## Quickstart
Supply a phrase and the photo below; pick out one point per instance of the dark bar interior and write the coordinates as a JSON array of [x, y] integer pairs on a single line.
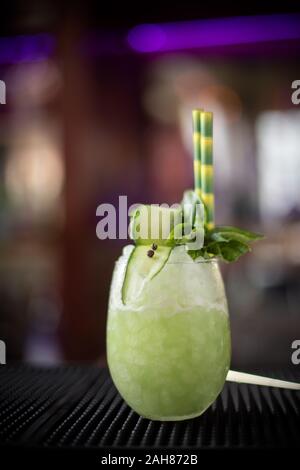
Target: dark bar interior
[[96, 105]]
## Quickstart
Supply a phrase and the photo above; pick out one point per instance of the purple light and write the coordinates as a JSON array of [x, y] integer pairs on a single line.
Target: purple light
[[26, 48], [147, 38], [214, 32]]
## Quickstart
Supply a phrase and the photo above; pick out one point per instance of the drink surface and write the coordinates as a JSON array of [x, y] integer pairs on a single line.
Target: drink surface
[[168, 346]]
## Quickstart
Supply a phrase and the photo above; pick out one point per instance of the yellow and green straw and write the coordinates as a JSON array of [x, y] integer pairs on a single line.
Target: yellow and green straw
[[197, 150], [203, 161]]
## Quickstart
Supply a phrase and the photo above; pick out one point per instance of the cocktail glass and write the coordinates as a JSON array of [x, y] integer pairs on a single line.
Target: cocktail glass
[[168, 344]]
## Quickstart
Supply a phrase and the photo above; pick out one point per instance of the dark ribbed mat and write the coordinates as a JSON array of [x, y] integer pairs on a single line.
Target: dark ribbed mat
[[78, 406]]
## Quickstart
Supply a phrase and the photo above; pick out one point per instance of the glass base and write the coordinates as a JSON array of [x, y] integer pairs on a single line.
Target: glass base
[[175, 418]]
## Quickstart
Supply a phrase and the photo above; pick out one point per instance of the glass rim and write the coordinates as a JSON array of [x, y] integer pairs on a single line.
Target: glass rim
[[190, 263]]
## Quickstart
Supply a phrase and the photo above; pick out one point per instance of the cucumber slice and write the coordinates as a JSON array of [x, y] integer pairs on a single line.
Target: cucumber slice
[[141, 269], [153, 224]]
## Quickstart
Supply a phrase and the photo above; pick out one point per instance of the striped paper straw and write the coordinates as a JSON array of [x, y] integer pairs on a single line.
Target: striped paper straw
[[207, 171], [197, 150]]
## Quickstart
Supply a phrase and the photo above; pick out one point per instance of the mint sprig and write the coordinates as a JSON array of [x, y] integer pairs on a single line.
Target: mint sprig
[[229, 251], [224, 242]]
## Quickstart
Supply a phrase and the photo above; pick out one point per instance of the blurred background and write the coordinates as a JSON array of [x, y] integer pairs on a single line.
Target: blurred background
[[98, 104]]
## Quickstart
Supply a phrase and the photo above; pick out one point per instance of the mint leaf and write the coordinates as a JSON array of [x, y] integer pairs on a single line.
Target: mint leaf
[[226, 243], [227, 251], [232, 250], [203, 253], [226, 233], [194, 254], [213, 249]]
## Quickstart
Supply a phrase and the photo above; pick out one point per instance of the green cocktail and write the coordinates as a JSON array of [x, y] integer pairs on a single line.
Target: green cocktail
[[168, 337], [169, 343]]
